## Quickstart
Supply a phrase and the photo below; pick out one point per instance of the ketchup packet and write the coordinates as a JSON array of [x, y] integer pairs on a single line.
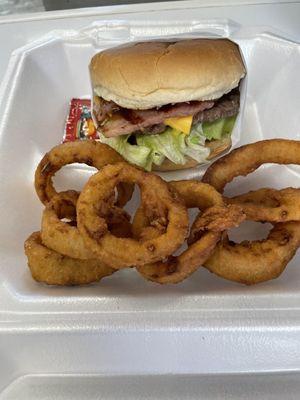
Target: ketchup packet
[[79, 123]]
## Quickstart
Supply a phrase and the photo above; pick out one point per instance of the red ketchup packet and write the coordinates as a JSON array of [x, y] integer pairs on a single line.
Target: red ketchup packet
[[79, 123]]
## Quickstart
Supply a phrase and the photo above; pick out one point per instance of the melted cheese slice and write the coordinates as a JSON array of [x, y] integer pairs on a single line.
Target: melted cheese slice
[[182, 124]]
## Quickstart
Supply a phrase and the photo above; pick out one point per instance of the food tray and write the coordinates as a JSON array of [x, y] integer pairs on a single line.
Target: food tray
[[203, 325]]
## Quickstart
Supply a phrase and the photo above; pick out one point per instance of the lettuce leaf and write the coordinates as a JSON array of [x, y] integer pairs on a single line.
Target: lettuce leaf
[[229, 125], [167, 144], [139, 155], [195, 145], [171, 144], [218, 128]]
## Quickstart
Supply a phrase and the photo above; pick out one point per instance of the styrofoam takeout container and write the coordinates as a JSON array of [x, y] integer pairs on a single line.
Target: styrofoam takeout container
[[125, 325]]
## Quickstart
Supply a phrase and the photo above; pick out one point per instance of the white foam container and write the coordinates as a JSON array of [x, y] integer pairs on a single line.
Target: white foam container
[[54, 337]]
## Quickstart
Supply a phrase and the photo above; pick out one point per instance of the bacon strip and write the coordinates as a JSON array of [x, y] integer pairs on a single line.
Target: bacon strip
[[125, 121], [115, 120]]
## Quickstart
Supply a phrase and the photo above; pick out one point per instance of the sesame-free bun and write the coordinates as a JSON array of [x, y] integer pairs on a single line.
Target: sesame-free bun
[[151, 74], [217, 147]]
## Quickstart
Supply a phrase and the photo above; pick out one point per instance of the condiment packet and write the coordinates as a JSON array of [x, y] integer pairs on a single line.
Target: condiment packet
[[79, 124]]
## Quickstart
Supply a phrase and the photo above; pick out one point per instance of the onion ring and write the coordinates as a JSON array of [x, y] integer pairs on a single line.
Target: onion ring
[[50, 267], [163, 208], [257, 261], [216, 219], [270, 205], [66, 239], [88, 152], [176, 269], [246, 159]]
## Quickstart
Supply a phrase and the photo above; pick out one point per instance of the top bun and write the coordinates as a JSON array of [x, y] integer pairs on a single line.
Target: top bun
[[151, 74]]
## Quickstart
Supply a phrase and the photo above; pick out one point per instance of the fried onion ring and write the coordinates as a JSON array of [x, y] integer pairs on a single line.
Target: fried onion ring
[[216, 219], [65, 238], [270, 205], [50, 267], [88, 152], [162, 209], [246, 159], [257, 261], [195, 195]]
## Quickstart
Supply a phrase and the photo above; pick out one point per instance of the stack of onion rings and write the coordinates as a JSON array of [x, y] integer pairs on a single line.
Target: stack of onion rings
[[86, 236]]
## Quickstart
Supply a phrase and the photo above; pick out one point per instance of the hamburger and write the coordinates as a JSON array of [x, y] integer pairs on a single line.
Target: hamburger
[[167, 105]]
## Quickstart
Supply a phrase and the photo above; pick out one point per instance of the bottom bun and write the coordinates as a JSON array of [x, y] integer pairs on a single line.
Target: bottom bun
[[216, 147]]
